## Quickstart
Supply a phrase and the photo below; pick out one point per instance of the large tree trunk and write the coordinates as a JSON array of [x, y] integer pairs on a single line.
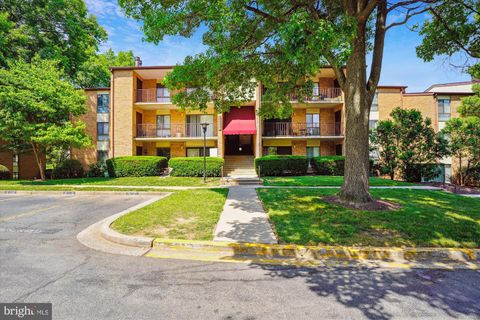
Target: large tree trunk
[[356, 185], [39, 161]]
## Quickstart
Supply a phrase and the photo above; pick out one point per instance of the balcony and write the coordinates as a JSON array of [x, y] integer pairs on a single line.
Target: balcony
[[296, 129], [321, 95], [174, 131], [152, 96]]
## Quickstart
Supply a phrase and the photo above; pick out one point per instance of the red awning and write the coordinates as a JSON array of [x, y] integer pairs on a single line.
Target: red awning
[[239, 121]]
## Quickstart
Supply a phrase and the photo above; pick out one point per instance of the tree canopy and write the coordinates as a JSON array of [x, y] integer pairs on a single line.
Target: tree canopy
[[37, 106], [95, 72], [454, 28], [59, 30]]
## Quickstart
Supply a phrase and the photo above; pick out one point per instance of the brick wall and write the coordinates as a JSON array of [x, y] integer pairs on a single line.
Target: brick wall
[[327, 148], [123, 116], [177, 149], [299, 147]]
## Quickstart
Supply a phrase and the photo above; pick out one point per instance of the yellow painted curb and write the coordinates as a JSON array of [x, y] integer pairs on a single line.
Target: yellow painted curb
[[311, 255]]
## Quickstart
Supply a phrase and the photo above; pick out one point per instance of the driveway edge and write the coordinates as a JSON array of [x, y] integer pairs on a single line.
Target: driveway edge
[[134, 241]]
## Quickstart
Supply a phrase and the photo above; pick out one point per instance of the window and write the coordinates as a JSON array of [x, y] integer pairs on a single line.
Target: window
[[197, 152], [163, 94], [102, 131], [316, 91], [277, 150], [194, 129], [313, 124], [443, 108], [163, 126], [15, 166], [311, 153], [102, 103], [372, 124], [102, 155], [163, 152], [374, 106], [338, 149]]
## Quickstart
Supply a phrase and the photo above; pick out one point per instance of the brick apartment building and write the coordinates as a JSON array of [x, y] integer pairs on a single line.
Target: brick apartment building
[[136, 116]]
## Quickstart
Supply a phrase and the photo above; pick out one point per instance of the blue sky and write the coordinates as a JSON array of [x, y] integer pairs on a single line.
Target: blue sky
[[400, 64]]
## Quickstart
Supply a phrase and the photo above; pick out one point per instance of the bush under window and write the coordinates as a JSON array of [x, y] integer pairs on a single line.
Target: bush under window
[[136, 166], [281, 165], [67, 169], [193, 166], [4, 173]]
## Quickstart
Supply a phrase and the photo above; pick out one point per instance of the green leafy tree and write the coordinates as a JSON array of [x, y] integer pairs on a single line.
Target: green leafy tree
[[471, 104], [53, 29], [282, 44], [408, 145], [95, 72], [381, 139], [464, 144], [452, 28], [37, 105]]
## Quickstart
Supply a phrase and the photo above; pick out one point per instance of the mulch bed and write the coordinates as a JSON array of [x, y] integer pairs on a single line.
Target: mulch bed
[[455, 189], [375, 205]]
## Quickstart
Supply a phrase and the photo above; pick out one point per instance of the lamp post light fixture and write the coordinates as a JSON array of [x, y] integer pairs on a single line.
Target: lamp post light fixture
[[204, 130]]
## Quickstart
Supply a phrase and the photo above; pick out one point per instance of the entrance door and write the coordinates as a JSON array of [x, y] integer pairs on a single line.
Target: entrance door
[[239, 144], [139, 121], [338, 123]]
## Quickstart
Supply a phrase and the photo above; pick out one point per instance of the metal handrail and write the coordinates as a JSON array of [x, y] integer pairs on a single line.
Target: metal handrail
[[178, 130], [285, 129], [321, 94], [150, 95]]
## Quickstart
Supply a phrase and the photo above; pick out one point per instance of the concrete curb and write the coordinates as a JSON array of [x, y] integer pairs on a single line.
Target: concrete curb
[[134, 241], [295, 254]]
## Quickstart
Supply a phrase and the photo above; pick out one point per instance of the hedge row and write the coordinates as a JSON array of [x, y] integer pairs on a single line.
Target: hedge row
[[136, 166], [279, 165], [193, 166], [329, 165]]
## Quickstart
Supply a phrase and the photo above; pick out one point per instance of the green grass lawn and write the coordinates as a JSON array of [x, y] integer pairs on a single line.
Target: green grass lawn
[[189, 214], [329, 181], [427, 218], [123, 181]]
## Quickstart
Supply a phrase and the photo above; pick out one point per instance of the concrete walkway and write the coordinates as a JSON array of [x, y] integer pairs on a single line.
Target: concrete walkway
[[243, 218]]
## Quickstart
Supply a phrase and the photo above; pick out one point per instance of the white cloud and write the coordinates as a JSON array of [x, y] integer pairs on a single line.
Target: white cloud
[[104, 8]]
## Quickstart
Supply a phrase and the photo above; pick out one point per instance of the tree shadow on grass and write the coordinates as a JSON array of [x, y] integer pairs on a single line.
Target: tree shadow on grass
[[378, 292]]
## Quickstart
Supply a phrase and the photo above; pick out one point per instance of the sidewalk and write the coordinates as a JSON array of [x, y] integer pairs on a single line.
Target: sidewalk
[[243, 218]]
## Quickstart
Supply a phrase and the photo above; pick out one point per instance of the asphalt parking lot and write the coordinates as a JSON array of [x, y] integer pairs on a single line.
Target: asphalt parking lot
[[42, 261]]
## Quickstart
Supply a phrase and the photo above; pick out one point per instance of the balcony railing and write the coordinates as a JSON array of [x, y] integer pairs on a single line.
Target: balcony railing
[[189, 130], [321, 95], [151, 95], [287, 129]]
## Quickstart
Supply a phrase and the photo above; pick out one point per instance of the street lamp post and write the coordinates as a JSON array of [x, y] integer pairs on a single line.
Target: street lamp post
[[204, 129]]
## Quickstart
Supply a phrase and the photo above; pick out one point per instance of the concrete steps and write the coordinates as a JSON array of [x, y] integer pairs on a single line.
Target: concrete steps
[[239, 170], [239, 166]]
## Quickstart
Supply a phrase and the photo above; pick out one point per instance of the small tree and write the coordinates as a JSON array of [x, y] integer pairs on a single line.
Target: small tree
[[381, 139], [408, 144], [37, 104], [464, 144]]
